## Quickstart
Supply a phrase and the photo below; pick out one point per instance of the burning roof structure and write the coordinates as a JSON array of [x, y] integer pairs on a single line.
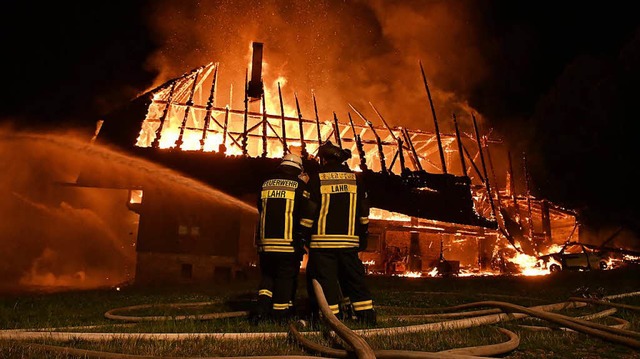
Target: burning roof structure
[[418, 180], [181, 118]]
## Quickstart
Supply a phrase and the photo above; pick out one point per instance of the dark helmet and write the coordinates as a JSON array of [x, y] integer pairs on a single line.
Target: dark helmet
[[329, 151]]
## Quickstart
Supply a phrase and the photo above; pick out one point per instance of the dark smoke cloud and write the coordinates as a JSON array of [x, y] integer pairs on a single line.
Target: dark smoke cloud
[[54, 235]]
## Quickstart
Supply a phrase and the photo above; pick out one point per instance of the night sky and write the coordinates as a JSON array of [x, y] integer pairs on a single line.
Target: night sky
[[559, 78]]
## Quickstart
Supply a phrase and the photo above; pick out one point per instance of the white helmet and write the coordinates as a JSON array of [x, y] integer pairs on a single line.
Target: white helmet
[[292, 160]]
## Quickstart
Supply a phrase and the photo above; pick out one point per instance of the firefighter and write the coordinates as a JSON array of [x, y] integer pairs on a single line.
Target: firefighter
[[278, 240], [338, 231]]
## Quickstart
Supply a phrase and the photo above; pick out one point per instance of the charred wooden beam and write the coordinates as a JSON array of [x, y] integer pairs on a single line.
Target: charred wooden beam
[[473, 164], [223, 145], [304, 152], [187, 109], [484, 166], [435, 120], [208, 114], [463, 164], [528, 191], [285, 148], [359, 146], [383, 165], [336, 130], [315, 108], [165, 112], [246, 113], [414, 155], [393, 135], [512, 185], [264, 126]]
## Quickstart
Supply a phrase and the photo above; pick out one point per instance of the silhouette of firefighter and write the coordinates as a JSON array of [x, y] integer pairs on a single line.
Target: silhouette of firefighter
[[339, 230], [279, 241]]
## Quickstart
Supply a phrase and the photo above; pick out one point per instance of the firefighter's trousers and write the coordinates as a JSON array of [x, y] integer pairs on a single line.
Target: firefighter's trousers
[[340, 273], [279, 275]]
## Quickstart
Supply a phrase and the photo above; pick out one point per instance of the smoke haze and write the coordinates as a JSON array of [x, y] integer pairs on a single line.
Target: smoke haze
[[56, 235], [346, 52]]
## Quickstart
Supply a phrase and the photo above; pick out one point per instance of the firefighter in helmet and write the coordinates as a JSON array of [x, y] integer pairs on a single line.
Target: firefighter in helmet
[[338, 231], [278, 240]]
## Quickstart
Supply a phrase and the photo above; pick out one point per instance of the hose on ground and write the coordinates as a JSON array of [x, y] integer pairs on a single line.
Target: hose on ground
[[458, 353], [51, 334], [111, 313], [359, 345], [602, 302], [109, 355], [602, 331]]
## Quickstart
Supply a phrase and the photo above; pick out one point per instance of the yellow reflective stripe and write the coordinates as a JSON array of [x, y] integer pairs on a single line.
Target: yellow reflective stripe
[[288, 220], [306, 194], [263, 217], [338, 188], [363, 305], [278, 241], [334, 237], [306, 222], [364, 220], [329, 241], [277, 306], [324, 208], [335, 309], [282, 249], [352, 214], [266, 292], [332, 245], [324, 176], [278, 193]]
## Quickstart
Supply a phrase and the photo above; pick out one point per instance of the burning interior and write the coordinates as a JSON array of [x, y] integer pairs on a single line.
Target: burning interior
[[438, 206]]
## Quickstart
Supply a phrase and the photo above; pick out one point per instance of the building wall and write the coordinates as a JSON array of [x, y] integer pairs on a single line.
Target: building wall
[[164, 268], [187, 240]]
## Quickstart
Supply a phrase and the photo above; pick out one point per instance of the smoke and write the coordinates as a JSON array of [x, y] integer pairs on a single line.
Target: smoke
[[54, 234], [346, 52]]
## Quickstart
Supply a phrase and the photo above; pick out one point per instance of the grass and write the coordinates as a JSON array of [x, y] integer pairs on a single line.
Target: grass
[[394, 296]]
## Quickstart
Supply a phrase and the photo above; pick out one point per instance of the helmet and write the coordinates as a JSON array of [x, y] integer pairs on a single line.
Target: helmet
[[292, 160], [330, 151]]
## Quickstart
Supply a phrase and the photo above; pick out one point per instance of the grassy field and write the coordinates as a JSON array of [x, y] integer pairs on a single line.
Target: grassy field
[[394, 297]]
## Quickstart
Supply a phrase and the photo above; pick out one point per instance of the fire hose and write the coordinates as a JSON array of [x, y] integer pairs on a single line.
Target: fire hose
[[355, 338], [360, 346]]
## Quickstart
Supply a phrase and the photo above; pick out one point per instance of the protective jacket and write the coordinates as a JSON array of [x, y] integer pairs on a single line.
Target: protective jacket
[[339, 229], [279, 203], [342, 216]]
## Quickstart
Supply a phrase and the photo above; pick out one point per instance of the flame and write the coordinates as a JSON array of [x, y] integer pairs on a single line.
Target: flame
[[135, 196], [377, 213], [529, 265], [410, 274]]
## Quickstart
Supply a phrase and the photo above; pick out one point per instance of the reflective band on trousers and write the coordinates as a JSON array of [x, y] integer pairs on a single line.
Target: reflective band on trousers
[[363, 305]]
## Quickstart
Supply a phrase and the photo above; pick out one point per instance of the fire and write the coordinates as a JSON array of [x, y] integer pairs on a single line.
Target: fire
[[181, 117], [528, 265], [410, 274], [377, 213]]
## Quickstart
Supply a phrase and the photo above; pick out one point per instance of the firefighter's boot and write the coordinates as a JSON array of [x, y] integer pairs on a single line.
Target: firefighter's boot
[[261, 311]]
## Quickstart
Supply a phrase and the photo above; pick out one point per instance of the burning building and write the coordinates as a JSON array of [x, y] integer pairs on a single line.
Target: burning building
[[437, 206]]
